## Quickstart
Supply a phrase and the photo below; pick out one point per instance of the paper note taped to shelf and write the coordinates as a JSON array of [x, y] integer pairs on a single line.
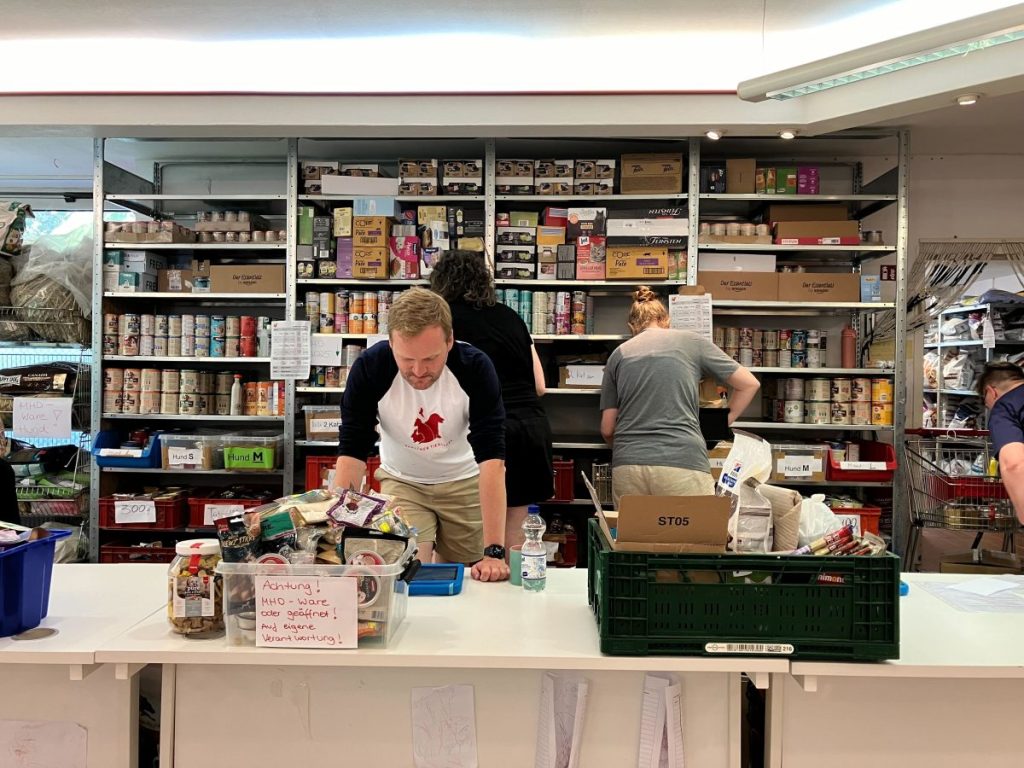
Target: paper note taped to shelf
[[584, 375], [863, 465], [42, 417], [184, 457], [214, 512], [327, 349], [135, 511], [324, 425], [306, 611], [289, 349], [798, 466], [691, 313]]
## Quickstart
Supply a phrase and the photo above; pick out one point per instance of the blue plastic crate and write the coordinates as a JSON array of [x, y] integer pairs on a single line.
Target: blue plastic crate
[[25, 573], [111, 438]]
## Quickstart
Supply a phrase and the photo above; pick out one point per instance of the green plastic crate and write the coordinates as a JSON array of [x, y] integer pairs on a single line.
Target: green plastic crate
[[802, 607]]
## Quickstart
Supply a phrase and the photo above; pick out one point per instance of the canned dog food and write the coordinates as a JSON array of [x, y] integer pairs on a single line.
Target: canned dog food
[[173, 325], [188, 404], [813, 356], [128, 346], [170, 380], [732, 337], [222, 404], [794, 389], [841, 413], [202, 325], [758, 357], [758, 338], [793, 412], [355, 322], [860, 390], [160, 346], [132, 381], [169, 403], [111, 324], [842, 391], [203, 346], [218, 347], [785, 358], [113, 379], [130, 402], [247, 325], [717, 334], [222, 383], [733, 352], [232, 348], [188, 325], [771, 339], [146, 346], [771, 358], [819, 390], [189, 380], [188, 346], [817, 413], [109, 344], [326, 322], [112, 401], [247, 346], [798, 358], [746, 338], [129, 325], [147, 325], [151, 380], [233, 325], [204, 402], [173, 346], [881, 391], [218, 326], [206, 382], [882, 414], [798, 341], [746, 356], [149, 402], [861, 414], [160, 325], [785, 340]]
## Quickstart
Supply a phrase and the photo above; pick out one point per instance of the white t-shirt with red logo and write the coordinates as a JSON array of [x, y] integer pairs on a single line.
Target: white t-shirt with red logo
[[434, 435]]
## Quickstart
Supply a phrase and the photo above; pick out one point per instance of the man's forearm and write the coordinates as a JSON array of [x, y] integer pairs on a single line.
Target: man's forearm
[[493, 505], [1013, 480], [348, 473]]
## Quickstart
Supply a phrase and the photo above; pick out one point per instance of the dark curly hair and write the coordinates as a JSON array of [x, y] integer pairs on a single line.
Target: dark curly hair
[[463, 276]]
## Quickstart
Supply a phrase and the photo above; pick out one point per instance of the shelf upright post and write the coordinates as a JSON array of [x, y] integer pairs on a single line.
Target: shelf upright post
[[900, 510], [292, 208], [96, 370], [693, 206], [490, 207]]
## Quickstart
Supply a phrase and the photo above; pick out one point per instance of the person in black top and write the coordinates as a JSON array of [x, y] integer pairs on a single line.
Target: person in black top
[[1000, 386], [463, 279]]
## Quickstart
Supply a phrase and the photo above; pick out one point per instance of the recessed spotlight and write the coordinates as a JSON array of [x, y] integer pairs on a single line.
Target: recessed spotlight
[[967, 99], [787, 134], [714, 135]]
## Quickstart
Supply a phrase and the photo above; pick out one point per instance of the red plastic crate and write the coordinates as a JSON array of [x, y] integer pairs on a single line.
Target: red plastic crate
[[169, 514], [116, 553], [197, 509], [869, 517], [564, 485], [870, 451], [316, 464]]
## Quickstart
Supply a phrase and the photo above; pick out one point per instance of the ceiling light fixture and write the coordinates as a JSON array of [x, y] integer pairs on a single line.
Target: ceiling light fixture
[[714, 135], [959, 38], [787, 134], [967, 99]]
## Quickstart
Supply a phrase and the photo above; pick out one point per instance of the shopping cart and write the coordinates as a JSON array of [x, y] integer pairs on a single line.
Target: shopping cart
[[954, 485]]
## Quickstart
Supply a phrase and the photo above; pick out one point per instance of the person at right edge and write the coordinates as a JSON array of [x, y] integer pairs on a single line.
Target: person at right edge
[[1000, 386], [650, 401], [463, 279]]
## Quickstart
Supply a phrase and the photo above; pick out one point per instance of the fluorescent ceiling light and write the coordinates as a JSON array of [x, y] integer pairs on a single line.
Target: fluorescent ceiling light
[[949, 40]]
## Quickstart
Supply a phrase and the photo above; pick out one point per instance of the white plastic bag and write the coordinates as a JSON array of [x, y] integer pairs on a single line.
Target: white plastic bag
[[750, 525], [816, 520], [749, 459], [65, 260]]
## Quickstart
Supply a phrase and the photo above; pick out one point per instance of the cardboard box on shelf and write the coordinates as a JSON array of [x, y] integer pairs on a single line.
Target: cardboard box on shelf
[[799, 461], [312, 170], [342, 222], [515, 169], [604, 187], [666, 226], [584, 170], [551, 236], [585, 221], [418, 169], [359, 185], [817, 233], [515, 254], [553, 187], [344, 257], [590, 258], [135, 282], [636, 263], [201, 268], [554, 169], [806, 212], [566, 254], [417, 188], [712, 179], [651, 174], [516, 236], [785, 180], [247, 278], [759, 180], [174, 280], [364, 170], [547, 254], [604, 170], [142, 262], [404, 253], [740, 286], [565, 270], [770, 177], [736, 239], [523, 219], [369, 263], [807, 180], [815, 286], [580, 376], [371, 231], [739, 176], [509, 185], [870, 288], [375, 206], [425, 214], [547, 271], [556, 217], [737, 262], [515, 271]]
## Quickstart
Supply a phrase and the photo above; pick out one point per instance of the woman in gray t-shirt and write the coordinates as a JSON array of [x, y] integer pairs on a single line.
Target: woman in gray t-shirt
[[650, 404]]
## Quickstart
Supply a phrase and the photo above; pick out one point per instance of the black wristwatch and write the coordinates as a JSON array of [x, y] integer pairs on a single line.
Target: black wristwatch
[[495, 551]]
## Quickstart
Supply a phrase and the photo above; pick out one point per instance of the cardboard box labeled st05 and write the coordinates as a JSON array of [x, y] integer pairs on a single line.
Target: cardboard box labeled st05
[[247, 278], [815, 286], [740, 286], [651, 173], [636, 263]]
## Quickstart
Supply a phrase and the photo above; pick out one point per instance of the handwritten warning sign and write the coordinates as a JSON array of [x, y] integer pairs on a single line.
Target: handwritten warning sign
[[306, 612], [42, 417]]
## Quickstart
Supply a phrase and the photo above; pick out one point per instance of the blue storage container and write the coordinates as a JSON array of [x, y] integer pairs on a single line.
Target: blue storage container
[[25, 572], [112, 438]]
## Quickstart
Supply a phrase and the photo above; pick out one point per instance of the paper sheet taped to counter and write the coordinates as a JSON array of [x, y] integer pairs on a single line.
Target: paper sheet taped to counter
[[661, 729], [42, 744], [563, 703], [444, 727]]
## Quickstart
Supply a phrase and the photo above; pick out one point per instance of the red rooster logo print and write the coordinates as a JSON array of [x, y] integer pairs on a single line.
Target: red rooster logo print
[[427, 431]]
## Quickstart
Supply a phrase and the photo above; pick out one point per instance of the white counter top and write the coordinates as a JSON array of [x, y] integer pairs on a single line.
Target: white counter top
[[89, 606], [937, 640], [494, 626]]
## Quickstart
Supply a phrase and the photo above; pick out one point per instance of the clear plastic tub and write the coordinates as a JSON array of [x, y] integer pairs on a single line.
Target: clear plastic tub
[[322, 421], [379, 617], [192, 452], [253, 453]]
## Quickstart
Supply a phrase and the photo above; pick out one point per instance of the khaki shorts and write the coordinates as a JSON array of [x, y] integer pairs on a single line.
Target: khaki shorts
[[642, 480], [446, 514]]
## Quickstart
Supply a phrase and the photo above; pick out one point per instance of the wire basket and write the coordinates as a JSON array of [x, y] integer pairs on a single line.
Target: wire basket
[[602, 474], [46, 323]]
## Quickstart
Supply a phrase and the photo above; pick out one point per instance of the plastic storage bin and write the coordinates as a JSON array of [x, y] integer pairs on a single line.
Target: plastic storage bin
[[563, 480], [387, 610], [191, 452], [253, 453], [148, 458], [800, 607], [170, 513], [202, 511], [869, 517], [25, 572], [317, 468], [135, 553], [875, 452], [322, 422]]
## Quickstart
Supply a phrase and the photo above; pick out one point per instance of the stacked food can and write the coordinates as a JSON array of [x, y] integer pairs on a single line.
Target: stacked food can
[[185, 392], [551, 312], [773, 348], [186, 335], [345, 311], [836, 401]]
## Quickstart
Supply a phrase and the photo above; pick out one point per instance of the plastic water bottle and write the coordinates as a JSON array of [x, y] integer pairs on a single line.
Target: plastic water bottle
[[535, 555]]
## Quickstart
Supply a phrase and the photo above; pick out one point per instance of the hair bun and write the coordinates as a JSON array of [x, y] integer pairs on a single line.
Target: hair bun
[[644, 293]]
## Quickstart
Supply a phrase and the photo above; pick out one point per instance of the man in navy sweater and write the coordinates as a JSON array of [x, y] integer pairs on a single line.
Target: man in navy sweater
[[442, 440], [1002, 387]]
